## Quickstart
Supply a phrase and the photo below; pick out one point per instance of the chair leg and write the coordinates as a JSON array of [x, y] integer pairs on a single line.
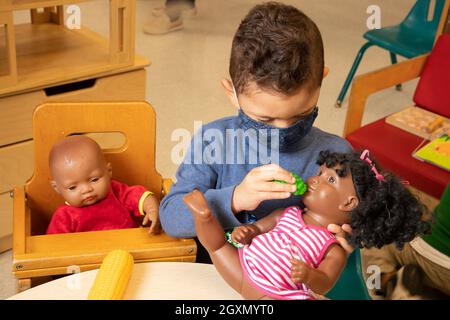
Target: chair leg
[[23, 284], [351, 74], [398, 87]]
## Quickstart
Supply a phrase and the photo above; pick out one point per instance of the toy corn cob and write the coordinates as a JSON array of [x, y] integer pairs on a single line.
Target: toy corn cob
[[112, 278], [301, 186]]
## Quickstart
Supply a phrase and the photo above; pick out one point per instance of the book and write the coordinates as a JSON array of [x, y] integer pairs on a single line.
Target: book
[[436, 152]]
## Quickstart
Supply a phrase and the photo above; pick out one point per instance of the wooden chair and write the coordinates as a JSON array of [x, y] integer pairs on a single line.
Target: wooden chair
[[351, 284], [38, 255], [413, 37], [391, 146]]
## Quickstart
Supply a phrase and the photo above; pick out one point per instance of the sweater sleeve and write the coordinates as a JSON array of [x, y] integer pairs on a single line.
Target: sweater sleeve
[[176, 219], [61, 222], [130, 196]]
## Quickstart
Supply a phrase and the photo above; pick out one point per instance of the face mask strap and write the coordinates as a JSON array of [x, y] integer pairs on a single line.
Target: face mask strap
[[235, 96]]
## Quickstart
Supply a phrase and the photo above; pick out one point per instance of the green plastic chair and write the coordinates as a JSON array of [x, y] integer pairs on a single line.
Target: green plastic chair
[[413, 37], [351, 284]]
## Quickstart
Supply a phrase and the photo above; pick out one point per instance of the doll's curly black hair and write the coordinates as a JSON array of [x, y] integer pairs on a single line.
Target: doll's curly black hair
[[387, 211]]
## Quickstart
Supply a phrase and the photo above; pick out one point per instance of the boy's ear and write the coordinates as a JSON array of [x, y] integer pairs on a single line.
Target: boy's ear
[[326, 71], [228, 86], [54, 186], [109, 169], [350, 203]]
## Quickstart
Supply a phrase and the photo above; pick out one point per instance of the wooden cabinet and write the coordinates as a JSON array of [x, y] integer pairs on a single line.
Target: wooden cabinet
[[44, 61], [45, 52], [6, 222], [16, 111]]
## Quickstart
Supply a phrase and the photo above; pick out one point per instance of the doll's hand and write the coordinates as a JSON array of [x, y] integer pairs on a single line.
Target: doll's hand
[[244, 234], [258, 186], [340, 233], [300, 271], [151, 209]]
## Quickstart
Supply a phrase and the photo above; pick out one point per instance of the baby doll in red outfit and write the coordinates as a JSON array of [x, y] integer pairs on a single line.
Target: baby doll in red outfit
[[94, 201]]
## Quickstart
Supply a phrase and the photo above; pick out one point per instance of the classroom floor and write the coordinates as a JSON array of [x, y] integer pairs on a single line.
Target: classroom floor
[[183, 80]]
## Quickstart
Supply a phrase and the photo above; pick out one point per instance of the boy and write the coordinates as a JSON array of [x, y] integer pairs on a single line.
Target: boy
[[276, 68]]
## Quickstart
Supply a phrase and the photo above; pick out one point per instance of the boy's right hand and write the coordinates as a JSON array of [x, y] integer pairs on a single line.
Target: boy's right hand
[[258, 186]]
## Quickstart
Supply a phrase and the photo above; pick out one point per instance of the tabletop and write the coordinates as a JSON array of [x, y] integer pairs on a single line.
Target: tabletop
[[149, 281]]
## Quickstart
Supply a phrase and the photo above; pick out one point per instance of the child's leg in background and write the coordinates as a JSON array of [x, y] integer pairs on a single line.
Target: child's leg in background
[[389, 259], [170, 17], [174, 8]]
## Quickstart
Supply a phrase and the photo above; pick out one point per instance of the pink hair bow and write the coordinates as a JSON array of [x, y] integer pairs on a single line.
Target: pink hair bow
[[365, 157]]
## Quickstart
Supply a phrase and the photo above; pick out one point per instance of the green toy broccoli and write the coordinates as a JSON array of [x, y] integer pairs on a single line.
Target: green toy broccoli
[[301, 189], [301, 186]]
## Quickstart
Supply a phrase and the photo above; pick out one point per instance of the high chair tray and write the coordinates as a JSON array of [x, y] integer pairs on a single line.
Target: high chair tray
[[86, 250]]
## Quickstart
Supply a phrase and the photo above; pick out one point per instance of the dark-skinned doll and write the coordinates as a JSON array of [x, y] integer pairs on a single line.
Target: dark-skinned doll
[[290, 254]]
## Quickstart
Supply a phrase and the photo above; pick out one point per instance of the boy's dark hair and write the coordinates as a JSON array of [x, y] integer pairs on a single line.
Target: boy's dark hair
[[387, 212], [279, 48]]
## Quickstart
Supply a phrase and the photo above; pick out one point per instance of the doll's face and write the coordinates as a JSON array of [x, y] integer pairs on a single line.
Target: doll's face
[[82, 177], [331, 196]]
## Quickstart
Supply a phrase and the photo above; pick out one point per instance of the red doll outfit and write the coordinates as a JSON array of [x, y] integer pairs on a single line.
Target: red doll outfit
[[117, 211], [266, 261]]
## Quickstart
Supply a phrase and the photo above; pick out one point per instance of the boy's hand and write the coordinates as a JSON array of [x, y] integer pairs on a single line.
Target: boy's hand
[[340, 233], [300, 271], [258, 185], [151, 209], [244, 234]]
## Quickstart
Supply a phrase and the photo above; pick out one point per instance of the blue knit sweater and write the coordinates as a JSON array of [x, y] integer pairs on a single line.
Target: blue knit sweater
[[216, 176]]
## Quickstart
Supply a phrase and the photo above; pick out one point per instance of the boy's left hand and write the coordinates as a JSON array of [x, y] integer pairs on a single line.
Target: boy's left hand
[[151, 209], [340, 233]]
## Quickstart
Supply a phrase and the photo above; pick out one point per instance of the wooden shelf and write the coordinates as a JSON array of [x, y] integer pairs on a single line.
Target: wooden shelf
[[6, 5], [48, 54]]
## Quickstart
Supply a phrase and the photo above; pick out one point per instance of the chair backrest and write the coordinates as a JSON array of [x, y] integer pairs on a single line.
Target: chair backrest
[[132, 163], [351, 284], [432, 92], [444, 24], [418, 20]]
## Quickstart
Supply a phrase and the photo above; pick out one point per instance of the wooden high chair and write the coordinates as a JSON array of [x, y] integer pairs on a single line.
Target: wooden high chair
[[38, 255]]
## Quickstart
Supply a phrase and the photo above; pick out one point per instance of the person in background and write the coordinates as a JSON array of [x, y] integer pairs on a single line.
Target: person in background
[[422, 268], [170, 17]]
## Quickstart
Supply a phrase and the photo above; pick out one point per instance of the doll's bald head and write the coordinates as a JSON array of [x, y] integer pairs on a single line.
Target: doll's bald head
[[79, 170], [67, 151]]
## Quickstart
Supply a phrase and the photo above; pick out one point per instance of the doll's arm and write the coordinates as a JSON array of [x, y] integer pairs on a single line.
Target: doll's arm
[[245, 233], [151, 210], [268, 222], [322, 279], [131, 197]]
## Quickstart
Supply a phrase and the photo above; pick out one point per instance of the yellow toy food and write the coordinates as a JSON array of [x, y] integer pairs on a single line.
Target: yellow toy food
[[113, 276]]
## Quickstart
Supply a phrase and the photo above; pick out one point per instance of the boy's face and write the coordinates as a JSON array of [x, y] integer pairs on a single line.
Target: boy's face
[[276, 109], [82, 179], [331, 196]]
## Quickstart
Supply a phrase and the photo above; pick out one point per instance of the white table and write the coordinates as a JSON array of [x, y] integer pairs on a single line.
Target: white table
[[152, 281]]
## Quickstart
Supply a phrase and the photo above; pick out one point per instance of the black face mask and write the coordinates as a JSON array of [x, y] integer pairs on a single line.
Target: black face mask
[[289, 136]]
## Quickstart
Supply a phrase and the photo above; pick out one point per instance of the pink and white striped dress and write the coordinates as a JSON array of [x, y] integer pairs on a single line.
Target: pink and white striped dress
[[266, 261]]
